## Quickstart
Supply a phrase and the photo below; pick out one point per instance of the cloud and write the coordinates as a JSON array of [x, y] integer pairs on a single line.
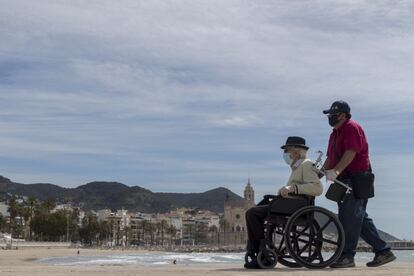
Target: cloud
[[168, 94]]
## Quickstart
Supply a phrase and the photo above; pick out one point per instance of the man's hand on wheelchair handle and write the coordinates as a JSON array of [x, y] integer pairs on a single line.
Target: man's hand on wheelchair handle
[[331, 174]]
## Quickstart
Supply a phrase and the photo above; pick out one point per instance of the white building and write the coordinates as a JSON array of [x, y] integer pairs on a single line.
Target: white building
[[3, 209], [103, 214]]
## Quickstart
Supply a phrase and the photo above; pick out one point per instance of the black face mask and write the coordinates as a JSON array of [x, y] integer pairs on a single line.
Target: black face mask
[[333, 119]]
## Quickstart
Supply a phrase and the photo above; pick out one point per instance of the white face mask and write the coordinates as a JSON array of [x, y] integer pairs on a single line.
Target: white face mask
[[287, 158]]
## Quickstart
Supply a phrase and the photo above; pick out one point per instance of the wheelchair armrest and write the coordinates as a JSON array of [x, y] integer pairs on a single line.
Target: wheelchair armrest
[[310, 199], [267, 197]]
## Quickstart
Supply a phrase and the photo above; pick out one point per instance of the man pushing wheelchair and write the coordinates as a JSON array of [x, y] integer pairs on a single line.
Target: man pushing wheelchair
[[307, 230]]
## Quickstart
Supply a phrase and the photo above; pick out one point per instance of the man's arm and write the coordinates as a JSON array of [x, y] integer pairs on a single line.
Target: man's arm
[[325, 165], [346, 159]]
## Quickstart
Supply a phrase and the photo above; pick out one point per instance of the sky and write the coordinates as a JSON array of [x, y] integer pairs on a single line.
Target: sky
[[187, 96]]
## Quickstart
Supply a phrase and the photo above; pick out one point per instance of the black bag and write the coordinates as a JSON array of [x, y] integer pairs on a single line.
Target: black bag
[[336, 192], [363, 184]]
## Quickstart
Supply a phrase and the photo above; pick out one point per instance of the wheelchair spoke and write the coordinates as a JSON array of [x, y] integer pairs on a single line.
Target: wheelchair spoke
[[320, 257], [324, 226], [303, 230], [303, 249], [301, 234], [302, 240], [297, 245], [326, 240], [281, 243]]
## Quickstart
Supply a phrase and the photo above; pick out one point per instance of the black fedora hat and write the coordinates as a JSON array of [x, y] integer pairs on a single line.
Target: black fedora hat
[[295, 141]]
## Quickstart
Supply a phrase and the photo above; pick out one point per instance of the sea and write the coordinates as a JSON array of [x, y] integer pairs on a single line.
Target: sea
[[168, 258]]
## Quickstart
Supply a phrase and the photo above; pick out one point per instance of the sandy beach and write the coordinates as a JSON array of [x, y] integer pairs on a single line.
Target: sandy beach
[[22, 262]]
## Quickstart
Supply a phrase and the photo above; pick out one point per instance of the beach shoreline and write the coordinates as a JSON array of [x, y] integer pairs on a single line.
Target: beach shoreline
[[25, 262]]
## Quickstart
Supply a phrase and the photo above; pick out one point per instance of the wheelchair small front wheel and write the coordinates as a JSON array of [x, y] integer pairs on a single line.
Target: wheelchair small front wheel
[[250, 257], [267, 258]]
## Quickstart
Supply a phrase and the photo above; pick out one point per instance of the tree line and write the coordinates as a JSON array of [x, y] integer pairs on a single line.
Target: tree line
[[35, 220]]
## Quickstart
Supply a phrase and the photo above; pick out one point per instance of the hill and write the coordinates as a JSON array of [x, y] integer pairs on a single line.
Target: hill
[[114, 195]]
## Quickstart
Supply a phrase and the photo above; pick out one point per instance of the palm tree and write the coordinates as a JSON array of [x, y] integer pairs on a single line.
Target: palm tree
[[3, 224], [13, 212], [24, 212], [171, 231], [127, 233], [49, 204], [224, 225], [151, 228], [213, 232], [144, 227], [32, 206], [162, 225], [157, 230]]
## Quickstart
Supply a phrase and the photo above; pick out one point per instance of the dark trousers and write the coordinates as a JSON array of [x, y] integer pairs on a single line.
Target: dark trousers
[[354, 218], [255, 217]]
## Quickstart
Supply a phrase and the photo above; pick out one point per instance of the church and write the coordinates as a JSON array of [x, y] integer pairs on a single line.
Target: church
[[234, 211]]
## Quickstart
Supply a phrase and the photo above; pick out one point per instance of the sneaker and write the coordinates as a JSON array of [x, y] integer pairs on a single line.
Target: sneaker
[[382, 258], [344, 262]]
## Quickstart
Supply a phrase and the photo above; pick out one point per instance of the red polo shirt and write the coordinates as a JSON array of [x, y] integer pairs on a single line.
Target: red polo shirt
[[350, 136]]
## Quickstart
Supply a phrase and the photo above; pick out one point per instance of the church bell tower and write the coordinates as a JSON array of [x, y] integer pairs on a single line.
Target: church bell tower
[[249, 194]]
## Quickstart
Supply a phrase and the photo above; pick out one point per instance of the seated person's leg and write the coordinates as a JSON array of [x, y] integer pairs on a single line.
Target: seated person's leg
[[254, 221]]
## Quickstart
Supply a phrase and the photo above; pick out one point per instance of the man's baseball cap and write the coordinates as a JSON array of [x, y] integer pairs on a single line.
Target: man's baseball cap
[[338, 107]]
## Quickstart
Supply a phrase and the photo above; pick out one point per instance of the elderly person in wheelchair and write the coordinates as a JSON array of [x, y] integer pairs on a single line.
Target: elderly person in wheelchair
[[303, 180]]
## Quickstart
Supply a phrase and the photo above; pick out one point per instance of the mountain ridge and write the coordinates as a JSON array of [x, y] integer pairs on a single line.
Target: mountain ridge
[[115, 195]]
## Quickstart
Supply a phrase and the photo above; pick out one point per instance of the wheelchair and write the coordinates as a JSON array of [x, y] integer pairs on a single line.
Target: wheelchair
[[298, 234]]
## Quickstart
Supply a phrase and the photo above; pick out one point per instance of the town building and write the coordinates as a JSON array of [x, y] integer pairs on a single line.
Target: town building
[[234, 211]]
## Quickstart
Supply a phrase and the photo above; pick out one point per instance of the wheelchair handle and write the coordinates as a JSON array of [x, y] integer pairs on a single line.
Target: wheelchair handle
[[348, 188], [318, 171]]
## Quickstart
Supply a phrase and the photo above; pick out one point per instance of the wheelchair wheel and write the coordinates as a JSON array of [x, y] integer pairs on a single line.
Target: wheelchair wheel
[[283, 255], [267, 258], [313, 230]]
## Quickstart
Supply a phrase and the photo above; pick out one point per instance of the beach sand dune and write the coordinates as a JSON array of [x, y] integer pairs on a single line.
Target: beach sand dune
[[22, 262]]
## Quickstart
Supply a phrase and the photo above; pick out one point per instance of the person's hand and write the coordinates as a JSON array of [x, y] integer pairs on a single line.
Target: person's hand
[[284, 191], [331, 175]]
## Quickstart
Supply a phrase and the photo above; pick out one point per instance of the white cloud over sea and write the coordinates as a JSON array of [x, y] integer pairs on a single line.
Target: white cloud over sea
[[186, 96]]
